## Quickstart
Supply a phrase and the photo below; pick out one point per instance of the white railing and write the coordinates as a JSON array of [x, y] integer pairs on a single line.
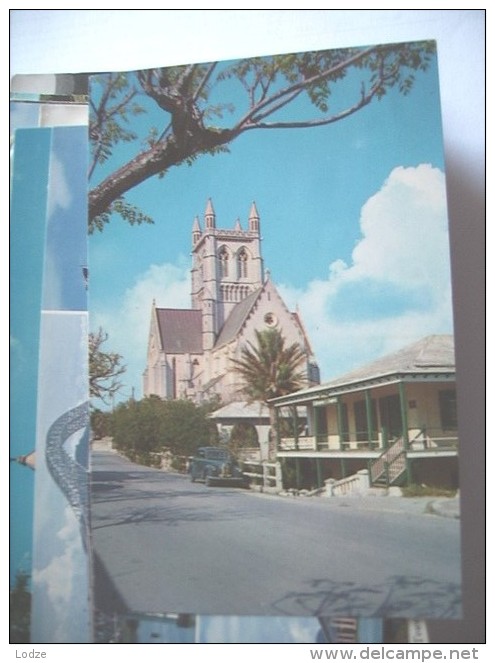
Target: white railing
[[268, 475], [355, 484], [424, 441], [304, 443], [419, 441]]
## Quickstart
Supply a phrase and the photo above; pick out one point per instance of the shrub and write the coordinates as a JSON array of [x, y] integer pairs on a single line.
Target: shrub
[[422, 490]]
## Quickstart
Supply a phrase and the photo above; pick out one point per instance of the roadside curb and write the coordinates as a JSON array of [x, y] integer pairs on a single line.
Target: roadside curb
[[449, 508], [441, 507]]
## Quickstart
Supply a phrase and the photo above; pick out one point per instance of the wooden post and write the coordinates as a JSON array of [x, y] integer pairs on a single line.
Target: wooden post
[[403, 414], [369, 418], [405, 429], [298, 474], [277, 431], [315, 425], [266, 474], [340, 427], [408, 471], [319, 478], [294, 425]]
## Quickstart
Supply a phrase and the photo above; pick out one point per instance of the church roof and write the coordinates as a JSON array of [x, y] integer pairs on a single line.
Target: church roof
[[180, 330], [237, 318], [297, 319]]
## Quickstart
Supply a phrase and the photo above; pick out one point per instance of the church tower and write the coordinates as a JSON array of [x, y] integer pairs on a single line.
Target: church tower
[[227, 266], [190, 351]]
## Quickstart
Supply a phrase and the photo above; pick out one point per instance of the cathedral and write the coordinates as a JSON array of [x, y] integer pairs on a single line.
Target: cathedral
[[190, 350]]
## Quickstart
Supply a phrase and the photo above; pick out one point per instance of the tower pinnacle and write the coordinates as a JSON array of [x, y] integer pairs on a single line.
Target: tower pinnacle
[[196, 230], [254, 219], [209, 215]]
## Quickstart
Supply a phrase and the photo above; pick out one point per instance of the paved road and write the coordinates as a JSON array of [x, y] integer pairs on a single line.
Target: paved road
[[164, 544]]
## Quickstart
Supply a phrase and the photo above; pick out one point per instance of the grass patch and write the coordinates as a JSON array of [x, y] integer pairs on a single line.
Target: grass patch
[[415, 490]]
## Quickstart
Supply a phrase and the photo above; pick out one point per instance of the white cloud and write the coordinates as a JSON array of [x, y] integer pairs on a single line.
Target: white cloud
[[59, 198], [302, 629], [256, 629], [57, 576], [127, 324], [15, 345], [395, 290], [397, 287], [59, 586], [58, 192], [52, 295], [404, 228]]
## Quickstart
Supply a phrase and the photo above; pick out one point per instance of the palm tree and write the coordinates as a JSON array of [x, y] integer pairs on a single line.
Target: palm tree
[[270, 370]]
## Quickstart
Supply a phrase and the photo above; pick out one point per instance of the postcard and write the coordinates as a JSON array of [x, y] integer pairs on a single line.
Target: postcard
[[30, 157], [273, 383], [49, 386]]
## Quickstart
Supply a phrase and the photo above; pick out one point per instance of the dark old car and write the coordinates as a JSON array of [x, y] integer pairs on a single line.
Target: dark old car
[[216, 466]]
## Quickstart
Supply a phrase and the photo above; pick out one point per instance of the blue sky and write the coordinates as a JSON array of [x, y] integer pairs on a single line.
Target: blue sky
[[353, 219]]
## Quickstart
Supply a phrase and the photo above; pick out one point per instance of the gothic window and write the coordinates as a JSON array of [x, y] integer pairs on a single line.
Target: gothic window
[[242, 261], [224, 262]]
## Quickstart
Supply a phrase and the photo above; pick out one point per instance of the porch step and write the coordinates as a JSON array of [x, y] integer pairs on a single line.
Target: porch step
[[390, 467], [393, 478], [382, 482]]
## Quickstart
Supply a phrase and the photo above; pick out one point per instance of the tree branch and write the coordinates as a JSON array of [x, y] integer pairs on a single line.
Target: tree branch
[[306, 83], [103, 115], [204, 81], [329, 119], [159, 157]]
